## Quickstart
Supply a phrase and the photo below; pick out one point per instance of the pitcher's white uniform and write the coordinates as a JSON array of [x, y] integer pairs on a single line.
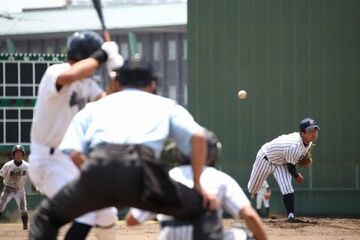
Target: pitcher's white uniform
[[50, 169], [232, 198], [279, 157], [272, 159], [15, 178], [260, 197]]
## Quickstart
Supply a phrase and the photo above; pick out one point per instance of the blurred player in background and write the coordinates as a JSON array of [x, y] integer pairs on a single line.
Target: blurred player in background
[[120, 137], [232, 198], [64, 90], [279, 157], [263, 197], [15, 174]]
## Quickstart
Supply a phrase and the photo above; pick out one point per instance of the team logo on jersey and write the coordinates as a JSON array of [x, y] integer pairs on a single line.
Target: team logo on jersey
[[15, 173]]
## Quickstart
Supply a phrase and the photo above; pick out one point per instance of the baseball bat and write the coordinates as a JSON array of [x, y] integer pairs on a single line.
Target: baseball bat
[[98, 8], [105, 74]]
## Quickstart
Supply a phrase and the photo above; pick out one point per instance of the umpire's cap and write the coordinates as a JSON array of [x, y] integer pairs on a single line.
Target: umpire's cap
[[308, 124], [18, 147], [137, 73], [81, 45]]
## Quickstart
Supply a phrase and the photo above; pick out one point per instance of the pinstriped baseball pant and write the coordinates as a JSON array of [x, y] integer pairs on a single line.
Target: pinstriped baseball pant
[[262, 169]]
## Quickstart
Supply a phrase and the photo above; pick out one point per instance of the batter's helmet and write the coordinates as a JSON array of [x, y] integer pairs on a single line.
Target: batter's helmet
[[18, 147], [81, 45], [135, 73]]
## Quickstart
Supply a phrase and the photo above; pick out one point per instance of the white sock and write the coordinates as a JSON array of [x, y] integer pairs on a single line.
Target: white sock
[[291, 215]]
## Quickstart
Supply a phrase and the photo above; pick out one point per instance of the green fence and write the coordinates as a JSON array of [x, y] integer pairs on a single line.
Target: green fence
[[295, 59]]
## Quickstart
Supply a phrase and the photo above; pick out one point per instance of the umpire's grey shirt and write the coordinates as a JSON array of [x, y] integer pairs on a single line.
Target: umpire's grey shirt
[[131, 116]]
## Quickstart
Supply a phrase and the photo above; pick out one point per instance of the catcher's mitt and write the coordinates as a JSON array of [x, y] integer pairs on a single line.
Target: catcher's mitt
[[306, 161]]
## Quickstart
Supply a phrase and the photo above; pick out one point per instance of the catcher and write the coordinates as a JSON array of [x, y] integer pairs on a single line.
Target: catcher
[[232, 198]]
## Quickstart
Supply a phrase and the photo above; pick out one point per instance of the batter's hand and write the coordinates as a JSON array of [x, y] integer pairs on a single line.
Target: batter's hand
[[115, 60], [299, 179], [210, 201]]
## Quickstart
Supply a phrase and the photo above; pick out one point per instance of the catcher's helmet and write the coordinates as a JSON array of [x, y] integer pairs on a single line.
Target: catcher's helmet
[[172, 154], [214, 148], [136, 73], [18, 147], [81, 45]]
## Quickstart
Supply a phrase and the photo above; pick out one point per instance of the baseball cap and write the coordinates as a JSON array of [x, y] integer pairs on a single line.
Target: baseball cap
[[308, 124], [135, 72]]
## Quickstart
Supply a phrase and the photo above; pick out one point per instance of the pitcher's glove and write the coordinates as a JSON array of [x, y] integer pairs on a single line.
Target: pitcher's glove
[[306, 161]]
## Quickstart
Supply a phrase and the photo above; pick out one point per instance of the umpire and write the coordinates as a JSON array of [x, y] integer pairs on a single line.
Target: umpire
[[120, 138]]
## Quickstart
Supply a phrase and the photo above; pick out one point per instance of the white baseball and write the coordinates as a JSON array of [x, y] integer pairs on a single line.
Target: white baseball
[[242, 94]]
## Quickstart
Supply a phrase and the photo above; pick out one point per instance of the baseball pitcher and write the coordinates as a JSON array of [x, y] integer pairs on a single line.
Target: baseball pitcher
[[279, 157]]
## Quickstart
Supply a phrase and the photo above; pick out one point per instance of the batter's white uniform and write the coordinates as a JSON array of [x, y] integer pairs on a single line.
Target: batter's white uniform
[[15, 178], [273, 157], [260, 197], [228, 191], [50, 169]]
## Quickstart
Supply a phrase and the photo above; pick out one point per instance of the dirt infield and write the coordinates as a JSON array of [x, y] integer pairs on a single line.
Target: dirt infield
[[277, 229]]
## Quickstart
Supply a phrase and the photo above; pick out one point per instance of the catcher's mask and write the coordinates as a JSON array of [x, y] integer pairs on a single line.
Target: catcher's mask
[[18, 147], [81, 45]]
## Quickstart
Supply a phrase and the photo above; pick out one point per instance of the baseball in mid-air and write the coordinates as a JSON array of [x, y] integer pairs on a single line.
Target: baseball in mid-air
[[242, 94]]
